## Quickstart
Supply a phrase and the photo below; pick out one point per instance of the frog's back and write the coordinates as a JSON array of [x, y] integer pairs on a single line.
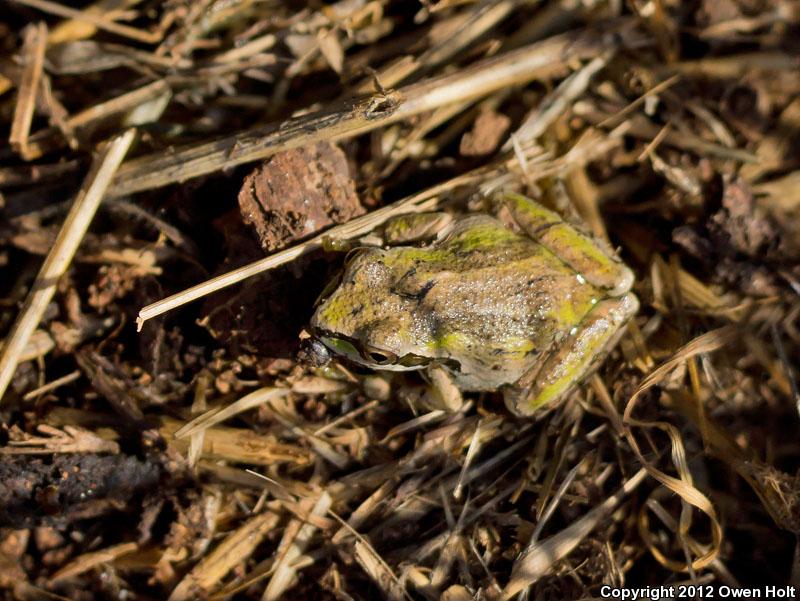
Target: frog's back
[[493, 300]]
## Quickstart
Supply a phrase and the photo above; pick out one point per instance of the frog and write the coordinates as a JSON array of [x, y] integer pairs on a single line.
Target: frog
[[515, 299]]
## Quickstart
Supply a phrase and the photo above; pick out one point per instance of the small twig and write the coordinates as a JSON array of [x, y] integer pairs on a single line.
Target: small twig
[[472, 451], [33, 53], [787, 365], [617, 118], [104, 24], [359, 116], [44, 141], [51, 386], [640, 127], [557, 103], [553, 504], [60, 256], [294, 544], [536, 562], [655, 142]]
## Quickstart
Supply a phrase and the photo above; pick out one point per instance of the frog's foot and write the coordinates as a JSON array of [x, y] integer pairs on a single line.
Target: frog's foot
[[582, 252], [558, 373]]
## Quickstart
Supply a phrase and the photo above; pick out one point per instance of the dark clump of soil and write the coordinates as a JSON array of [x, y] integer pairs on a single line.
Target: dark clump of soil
[[67, 488]]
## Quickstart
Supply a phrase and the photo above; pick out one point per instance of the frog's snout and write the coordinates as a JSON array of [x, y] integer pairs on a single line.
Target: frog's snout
[[314, 353]]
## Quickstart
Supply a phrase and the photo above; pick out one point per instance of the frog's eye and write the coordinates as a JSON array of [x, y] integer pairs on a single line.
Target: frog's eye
[[378, 356]]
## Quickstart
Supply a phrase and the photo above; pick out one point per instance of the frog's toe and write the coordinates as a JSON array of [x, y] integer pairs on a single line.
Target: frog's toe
[[624, 282]]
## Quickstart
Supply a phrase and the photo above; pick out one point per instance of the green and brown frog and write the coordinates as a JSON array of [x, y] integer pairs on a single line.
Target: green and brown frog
[[519, 301]]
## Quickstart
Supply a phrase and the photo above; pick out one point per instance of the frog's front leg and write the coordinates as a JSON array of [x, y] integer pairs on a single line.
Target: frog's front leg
[[580, 251], [569, 362], [439, 392], [443, 393], [408, 228], [415, 227]]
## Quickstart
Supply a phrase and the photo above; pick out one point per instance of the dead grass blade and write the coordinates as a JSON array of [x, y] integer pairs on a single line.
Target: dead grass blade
[[98, 21], [688, 493], [705, 343], [537, 562], [231, 552], [219, 415], [60, 256], [360, 116], [295, 540], [87, 561], [33, 60], [682, 486]]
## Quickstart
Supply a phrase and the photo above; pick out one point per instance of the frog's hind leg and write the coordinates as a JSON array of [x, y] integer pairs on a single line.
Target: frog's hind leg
[[580, 251], [571, 361]]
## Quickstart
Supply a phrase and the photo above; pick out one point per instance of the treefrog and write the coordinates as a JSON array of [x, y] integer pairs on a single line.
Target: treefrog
[[518, 301]]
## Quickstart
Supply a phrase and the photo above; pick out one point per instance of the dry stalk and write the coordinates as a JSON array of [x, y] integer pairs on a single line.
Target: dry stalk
[[60, 256], [233, 551], [33, 55], [363, 115], [87, 561], [98, 21], [293, 545], [536, 562]]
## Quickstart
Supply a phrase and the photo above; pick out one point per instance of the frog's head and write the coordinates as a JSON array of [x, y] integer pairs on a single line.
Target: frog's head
[[361, 318]]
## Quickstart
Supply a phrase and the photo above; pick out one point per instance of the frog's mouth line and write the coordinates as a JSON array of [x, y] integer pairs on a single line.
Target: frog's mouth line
[[374, 358]]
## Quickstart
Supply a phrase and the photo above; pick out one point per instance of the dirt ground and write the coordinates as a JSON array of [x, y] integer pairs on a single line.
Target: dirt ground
[[189, 448]]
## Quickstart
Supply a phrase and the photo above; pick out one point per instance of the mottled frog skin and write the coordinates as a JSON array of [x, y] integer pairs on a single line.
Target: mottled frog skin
[[527, 305]]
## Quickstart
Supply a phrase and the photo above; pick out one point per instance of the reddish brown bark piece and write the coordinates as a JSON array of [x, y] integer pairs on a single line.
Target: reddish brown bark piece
[[486, 134], [297, 193]]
